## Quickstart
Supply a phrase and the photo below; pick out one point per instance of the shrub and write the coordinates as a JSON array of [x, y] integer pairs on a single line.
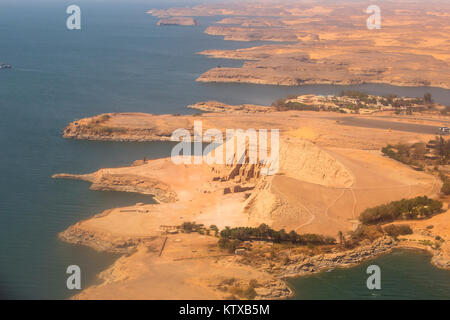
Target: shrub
[[229, 245], [248, 293], [446, 187], [398, 230], [105, 117], [366, 232]]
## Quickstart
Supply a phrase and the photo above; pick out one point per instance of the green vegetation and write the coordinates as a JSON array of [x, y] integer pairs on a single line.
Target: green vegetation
[[427, 98], [282, 105], [354, 94], [417, 208], [445, 189], [364, 232], [104, 130], [232, 286], [95, 126], [229, 245], [105, 117], [245, 292], [443, 149], [419, 155], [248, 293], [435, 152], [354, 100], [214, 228], [230, 238], [397, 230], [188, 227], [413, 155]]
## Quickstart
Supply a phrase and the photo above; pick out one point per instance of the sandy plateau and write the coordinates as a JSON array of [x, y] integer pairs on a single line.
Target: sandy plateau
[[328, 174], [329, 43]]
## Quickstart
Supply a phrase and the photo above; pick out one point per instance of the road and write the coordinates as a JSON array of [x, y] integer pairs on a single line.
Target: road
[[393, 125]]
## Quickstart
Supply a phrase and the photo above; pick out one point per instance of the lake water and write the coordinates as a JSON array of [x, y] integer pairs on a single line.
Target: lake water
[[119, 61], [405, 274]]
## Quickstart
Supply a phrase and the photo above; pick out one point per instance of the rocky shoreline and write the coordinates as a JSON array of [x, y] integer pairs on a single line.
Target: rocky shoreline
[[299, 264], [306, 265]]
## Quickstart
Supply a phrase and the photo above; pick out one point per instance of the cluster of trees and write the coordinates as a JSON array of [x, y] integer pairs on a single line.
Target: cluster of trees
[[397, 230], [407, 154], [282, 105], [445, 189], [370, 232], [189, 227], [427, 98], [442, 149], [386, 100], [417, 208], [362, 96], [264, 232], [363, 100], [397, 102], [411, 153], [228, 244]]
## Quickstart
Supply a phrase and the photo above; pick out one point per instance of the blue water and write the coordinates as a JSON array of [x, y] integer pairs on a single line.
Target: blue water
[[405, 274], [119, 61]]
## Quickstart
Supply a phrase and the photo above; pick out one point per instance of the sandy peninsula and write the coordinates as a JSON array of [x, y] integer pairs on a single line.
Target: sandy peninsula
[[329, 173]]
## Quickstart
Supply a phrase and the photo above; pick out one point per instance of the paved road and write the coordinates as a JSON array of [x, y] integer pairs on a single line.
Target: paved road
[[393, 125]]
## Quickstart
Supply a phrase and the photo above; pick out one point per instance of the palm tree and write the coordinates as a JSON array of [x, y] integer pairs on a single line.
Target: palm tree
[[341, 237]]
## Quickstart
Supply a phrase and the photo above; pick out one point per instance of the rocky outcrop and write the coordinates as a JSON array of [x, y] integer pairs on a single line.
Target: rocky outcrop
[[80, 132], [106, 181], [102, 241], [441, 261], [273, 290], [305, 265]]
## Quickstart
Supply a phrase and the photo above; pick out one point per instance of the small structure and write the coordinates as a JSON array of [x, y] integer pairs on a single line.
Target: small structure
[[444, 130], [431, 156], [169, 229]]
